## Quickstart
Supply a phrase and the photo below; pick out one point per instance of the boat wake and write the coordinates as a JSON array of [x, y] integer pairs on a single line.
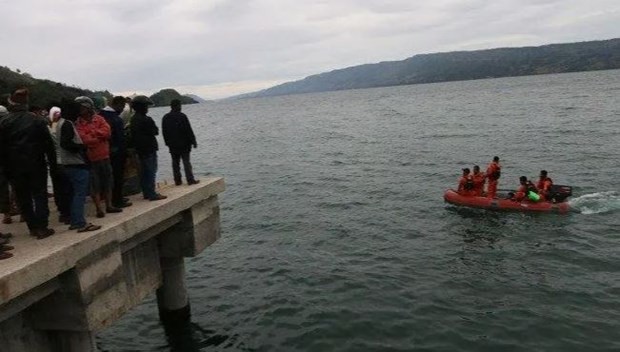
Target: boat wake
[[596, 203]]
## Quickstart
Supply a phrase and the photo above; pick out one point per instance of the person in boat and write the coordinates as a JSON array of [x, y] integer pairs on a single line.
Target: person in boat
[[479, 181], [521, 192], [493, 174], [526, 190], [466, 184], [544, 184]]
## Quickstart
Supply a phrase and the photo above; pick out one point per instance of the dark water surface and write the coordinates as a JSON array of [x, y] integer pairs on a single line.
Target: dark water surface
[[336, 237]]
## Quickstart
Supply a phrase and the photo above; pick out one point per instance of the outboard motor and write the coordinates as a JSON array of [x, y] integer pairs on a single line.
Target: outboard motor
[[559, 193]]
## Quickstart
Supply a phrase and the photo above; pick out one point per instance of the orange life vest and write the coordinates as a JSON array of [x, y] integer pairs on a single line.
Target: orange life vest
[[494, 171]]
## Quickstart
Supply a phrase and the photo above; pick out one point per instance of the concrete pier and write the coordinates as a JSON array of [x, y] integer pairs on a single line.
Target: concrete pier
[[56, 293]]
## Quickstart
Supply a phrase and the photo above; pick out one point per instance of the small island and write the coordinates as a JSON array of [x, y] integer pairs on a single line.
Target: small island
[[165, 96]]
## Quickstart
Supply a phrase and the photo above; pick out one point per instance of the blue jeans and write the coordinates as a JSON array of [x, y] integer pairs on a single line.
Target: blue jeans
[[79, 178], [148, 170]]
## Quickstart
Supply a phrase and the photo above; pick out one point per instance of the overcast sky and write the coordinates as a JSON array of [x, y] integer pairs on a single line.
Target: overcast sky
[[217, 48]]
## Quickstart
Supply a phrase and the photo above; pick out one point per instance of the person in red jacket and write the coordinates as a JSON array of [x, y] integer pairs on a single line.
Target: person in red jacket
[[479, 181], [95, 134], [493, 174], [544, 184], [466, 184]]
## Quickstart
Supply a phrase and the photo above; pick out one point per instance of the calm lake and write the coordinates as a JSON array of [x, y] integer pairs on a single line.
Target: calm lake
[[335, 235]]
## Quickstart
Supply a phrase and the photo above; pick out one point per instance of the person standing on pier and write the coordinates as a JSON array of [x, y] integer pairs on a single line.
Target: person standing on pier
[[5, 202], [73, 163], [143, 132], [95, 133], [60, 183], [180, 138], [5, 207], [118, 148], [25, 142]]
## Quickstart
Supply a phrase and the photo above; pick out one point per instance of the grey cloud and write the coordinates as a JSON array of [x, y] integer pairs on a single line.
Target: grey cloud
[[151, 44]]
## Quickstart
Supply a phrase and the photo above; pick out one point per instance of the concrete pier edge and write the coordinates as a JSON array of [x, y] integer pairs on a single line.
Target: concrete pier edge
[[57, 293]]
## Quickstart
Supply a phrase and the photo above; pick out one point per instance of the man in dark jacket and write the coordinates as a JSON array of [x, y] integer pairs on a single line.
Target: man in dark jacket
[[118, 149], [25, 142], [179, 137], [143, 132]]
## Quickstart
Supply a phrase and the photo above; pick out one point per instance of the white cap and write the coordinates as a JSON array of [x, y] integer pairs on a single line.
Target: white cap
[[53, 111]]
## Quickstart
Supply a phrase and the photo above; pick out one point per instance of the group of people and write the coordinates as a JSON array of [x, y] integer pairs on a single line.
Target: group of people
[[84, 144], [473, 184]]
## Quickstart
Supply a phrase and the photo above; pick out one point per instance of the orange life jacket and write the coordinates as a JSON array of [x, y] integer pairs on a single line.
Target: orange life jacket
[[544, 184], [494, 171], [466, 185]]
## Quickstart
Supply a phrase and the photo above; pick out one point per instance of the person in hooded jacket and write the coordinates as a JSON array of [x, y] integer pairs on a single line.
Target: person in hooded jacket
[[60, 183]]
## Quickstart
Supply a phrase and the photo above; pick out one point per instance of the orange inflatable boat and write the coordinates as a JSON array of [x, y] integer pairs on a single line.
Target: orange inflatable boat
[[503, 203]]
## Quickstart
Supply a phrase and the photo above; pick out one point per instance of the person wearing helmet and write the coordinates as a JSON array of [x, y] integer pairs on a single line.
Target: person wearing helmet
[[143, 131]]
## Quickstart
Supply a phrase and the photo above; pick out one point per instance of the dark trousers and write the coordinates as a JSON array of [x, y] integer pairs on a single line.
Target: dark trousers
[[148, 170], [176, 169], [31, 193], [5, 200], [117, 160], [62, 191]]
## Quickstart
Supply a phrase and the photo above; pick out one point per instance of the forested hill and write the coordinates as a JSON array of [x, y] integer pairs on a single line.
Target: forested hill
[[43, 92], [461, 65]]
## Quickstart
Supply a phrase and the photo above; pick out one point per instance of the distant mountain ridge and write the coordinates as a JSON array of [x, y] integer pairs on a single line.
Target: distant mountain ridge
[[458, 66], [196, 98]]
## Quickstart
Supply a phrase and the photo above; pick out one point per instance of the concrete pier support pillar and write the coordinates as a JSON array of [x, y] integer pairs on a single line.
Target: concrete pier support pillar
[[172, 298]]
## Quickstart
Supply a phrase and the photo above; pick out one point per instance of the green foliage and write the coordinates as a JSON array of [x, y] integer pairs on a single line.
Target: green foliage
[[165, 96], [44, 93]]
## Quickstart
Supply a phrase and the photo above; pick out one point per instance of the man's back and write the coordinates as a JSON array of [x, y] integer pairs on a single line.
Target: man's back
[[143, 132], [178, 133], [25, 141], [117, 139]]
